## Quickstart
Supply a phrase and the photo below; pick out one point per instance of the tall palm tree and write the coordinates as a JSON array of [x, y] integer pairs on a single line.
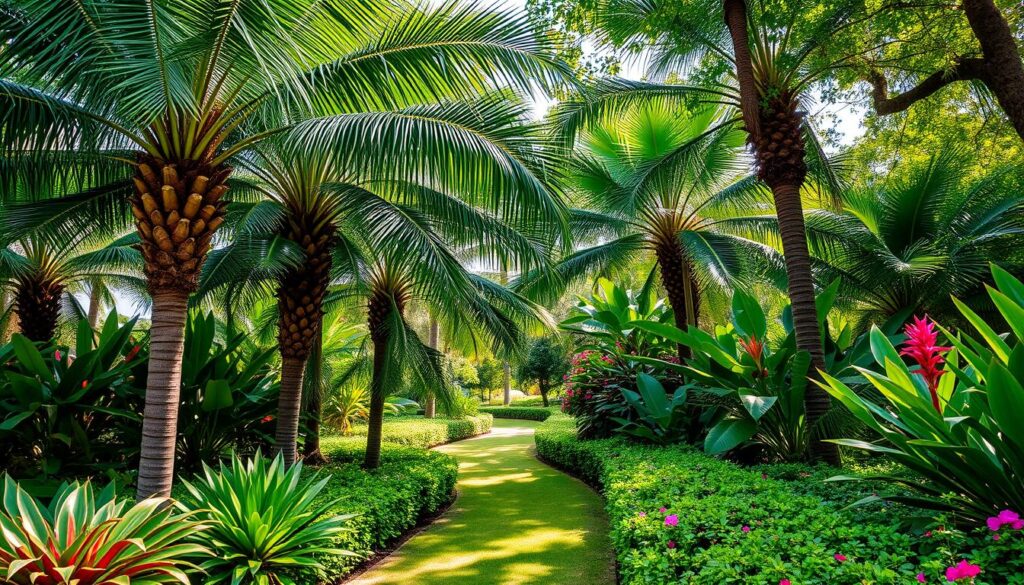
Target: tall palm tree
[[913, 242], [766, 56], [329, 209], [664, 183], [190, 84]]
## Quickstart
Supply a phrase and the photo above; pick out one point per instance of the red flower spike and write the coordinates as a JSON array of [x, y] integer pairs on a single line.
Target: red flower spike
[[922, 347]]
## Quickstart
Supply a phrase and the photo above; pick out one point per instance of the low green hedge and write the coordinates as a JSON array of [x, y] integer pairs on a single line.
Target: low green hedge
[[796, 523], [416, 431], [410, 484], [519, 412]]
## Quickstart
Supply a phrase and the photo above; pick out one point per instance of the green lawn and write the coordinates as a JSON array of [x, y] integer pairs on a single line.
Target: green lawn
[[516, 521]]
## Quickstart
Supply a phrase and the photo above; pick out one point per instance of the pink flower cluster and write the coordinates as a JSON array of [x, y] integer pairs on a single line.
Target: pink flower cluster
[[1005, 518], [922, 346], [962, 571]]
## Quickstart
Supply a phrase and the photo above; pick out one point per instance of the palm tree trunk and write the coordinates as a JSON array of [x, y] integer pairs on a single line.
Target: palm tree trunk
[[375, 431], [289, 407], [94, 305], [313, 390], [736, 21], [543, 384], [430, 408], [11, 326], [780, 152], [677, 281], [37, 304], [163, 389], [506, 376], [817, 403]]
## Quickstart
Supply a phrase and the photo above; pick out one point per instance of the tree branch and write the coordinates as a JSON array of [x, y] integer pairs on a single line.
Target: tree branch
[[964, 70]]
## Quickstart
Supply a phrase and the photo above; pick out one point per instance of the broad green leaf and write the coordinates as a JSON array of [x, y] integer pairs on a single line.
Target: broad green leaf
[[729, 434], [217, 396], [757, 406], [747, 316], [1006, 399]]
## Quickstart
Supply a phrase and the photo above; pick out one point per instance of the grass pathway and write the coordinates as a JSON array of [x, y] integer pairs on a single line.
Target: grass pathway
[[516, 521]]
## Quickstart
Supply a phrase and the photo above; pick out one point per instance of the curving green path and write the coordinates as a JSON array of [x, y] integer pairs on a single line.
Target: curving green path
[[516, 521]]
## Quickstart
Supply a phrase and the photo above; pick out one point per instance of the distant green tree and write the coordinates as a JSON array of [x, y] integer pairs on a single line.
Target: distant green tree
[[489, 372], [546, 363]]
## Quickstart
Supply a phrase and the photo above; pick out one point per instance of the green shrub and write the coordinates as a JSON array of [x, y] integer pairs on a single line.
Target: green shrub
[[518, 412], [387, 502], [426, 433], [797, 523], [263, 521]]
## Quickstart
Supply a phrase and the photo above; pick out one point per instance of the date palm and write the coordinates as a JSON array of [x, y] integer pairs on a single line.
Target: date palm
[[188, 85], [765, 54], [663, 183]]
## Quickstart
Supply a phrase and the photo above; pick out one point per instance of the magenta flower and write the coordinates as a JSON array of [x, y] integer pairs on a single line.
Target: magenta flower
[[840, 557], [671, 544], [921, 579], [662, 509], [995, 537], [962, 570], [1003, 518], [643, 514], [784, 582], [671, 520], [745, 529], [922, 346], [56, 355]]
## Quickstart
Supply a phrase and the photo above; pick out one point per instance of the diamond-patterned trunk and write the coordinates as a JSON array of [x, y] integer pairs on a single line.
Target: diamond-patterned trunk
[[300, 297], [37, 305], [379, 309], [680, 287]]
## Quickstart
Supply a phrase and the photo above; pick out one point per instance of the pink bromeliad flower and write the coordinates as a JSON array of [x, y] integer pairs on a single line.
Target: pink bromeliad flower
[[962, 571], [922, 346]]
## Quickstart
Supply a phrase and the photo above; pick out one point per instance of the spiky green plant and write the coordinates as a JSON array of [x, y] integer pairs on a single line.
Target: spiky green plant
[[264, 521], [84, 537]]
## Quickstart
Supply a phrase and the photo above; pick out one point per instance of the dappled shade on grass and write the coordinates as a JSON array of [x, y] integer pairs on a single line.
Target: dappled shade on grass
[[516, 521]]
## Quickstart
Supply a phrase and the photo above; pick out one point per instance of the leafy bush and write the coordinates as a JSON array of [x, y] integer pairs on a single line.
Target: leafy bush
[[83, 537], [426, 433], [387, 502], [350, 404], [614, 352], [545, 364], [228, 397], [963, 432], [263, 520], [516, 412], [64, 415], [660, 418], [680, 516]]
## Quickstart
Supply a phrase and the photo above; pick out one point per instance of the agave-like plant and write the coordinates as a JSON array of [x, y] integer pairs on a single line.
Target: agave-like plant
[[84, 537], [263, 521]]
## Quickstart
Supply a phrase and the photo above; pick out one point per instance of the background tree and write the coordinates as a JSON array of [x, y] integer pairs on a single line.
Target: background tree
[[546, 363]]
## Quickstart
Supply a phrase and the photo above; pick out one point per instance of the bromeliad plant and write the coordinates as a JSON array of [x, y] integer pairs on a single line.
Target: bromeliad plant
[[264, 522], [85, 538], [954, 417]]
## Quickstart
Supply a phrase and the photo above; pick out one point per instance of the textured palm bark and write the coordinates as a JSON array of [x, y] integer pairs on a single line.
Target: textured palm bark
[[677, 280], [160, 418], [736, 21], [37, 304], [9, 327], [430, 409], [300, 298], [379, 309], [311, 454], [289, 407], [94, 305]]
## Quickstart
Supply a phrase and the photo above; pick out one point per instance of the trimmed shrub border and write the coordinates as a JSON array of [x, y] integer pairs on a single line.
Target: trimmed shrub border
[[680, 516], [538, 413]]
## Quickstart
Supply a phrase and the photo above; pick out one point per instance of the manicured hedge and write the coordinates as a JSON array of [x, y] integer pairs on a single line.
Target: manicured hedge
[[796, 522], [416, 431], [410, 484], [520, 412]]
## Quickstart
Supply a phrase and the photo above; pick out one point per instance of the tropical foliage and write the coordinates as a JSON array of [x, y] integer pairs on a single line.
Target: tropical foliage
[[89, 537]]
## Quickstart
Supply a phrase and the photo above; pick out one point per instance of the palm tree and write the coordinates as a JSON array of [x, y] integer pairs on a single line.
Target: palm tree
[[662, 183], [766, 57], [44, 278], [189, 85], [910, 244]]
